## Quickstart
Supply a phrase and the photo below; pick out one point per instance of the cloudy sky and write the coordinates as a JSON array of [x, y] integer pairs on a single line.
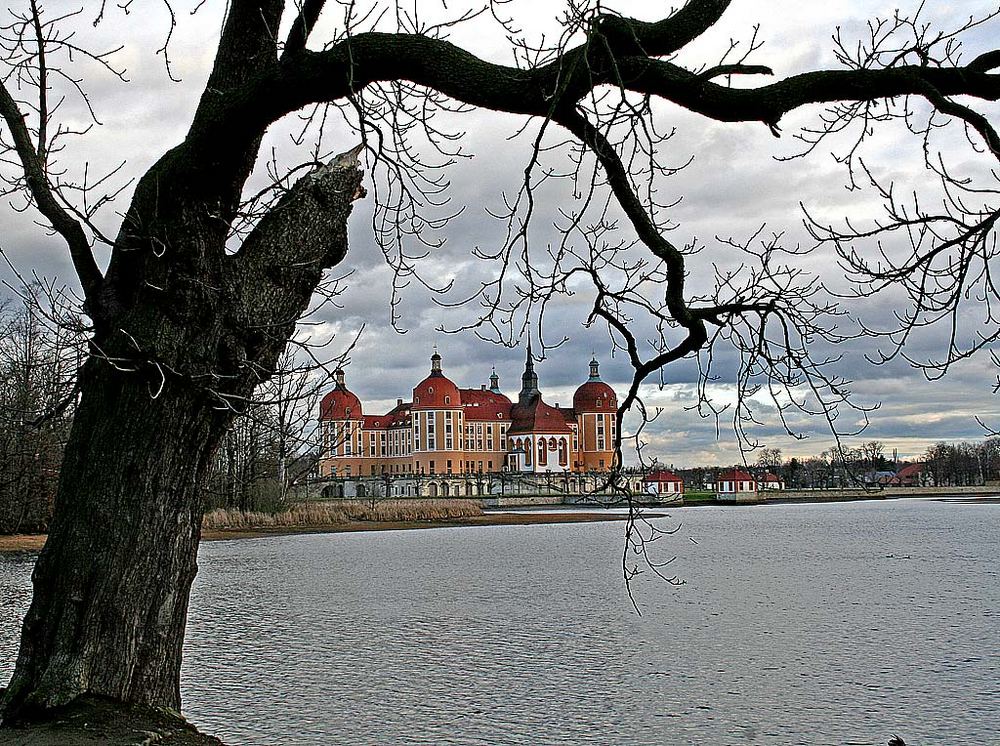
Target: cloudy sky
[[733, 185]]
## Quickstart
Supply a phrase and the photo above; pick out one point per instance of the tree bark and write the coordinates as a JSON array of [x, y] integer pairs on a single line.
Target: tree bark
[[111, 585]]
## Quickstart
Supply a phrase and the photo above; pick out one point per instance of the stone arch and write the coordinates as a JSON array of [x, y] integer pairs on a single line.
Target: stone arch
[[432, 489]]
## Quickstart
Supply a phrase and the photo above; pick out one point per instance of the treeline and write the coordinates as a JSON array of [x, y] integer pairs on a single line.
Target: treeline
[[41, 350], [942, 465], [963, 464]]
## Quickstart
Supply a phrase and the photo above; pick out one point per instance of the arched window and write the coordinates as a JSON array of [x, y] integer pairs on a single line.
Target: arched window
[[563, 455], [542, 460], [430, 389], [447, 400], [552, 444], [527, 452]]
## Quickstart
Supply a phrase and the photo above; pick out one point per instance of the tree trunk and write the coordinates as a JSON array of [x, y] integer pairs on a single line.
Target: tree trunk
[[111, 585], [170, 370]]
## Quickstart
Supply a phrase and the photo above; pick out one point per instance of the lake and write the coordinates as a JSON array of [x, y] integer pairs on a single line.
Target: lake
[[797, 624]]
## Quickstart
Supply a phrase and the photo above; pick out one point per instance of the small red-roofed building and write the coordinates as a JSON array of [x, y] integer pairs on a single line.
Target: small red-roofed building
[[663, 482], [769, 481], [910, 476], [736, 485]]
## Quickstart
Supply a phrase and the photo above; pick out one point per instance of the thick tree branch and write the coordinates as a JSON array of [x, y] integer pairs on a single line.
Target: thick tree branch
[[311, 77], [661, 38], [985, 62], [640, 218], [280, 263], [734, 69], [302, 26], [62, 222]]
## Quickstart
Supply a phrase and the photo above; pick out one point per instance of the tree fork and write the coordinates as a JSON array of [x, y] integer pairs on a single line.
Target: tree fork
[[111, 585]]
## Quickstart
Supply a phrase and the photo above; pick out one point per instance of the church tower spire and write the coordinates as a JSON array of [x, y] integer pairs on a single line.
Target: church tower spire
[[529, 380]]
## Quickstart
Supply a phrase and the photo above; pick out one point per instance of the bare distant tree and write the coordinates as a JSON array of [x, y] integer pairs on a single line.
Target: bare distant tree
[[769, 458], [41, 348]]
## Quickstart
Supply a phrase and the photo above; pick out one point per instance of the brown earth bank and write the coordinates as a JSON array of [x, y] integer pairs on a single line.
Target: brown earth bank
[[34, 542], [91, 720]]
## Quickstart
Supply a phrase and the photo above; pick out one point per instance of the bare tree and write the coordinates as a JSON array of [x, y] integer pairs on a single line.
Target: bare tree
[[769, 459], [873, 454], [40, 351], [205, 283]]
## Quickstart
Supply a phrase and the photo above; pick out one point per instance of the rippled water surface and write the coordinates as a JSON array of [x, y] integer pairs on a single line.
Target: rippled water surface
[[816, 624]]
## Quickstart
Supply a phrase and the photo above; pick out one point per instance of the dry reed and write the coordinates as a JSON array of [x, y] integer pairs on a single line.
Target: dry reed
[[343, 511]]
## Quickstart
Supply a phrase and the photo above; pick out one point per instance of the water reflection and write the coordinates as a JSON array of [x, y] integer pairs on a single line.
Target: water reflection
[[823, 624]]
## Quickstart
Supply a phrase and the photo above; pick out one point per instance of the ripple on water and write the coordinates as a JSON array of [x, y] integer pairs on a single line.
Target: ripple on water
[[826, 624]]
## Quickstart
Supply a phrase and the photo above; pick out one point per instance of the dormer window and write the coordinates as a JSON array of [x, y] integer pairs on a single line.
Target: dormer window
[[416, 399], [600, 403], [447, 399], [430, 389]]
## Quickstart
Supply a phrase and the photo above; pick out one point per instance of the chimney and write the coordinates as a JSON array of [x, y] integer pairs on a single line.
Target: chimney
[[399, 402], [482, 387]]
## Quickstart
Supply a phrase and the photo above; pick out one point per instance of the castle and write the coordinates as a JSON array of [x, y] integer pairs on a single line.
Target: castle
[[447, 430]]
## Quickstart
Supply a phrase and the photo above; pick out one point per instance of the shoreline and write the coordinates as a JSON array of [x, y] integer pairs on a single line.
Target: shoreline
[[526, 515], [15, 543]]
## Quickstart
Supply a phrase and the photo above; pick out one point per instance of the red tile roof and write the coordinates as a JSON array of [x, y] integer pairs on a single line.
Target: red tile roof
[[399, 415], [586, 397], [340, 404], [735, 475], [569, 415], [437, 391], [485, 405], [661, 475], [537, 417]]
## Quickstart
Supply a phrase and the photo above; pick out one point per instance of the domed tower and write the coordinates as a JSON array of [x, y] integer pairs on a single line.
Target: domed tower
[[341, 420], [438, 424], [595, 405]]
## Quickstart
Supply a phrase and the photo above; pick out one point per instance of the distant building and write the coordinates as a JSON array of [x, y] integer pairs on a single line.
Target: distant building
[[909, 476], [736, 485], [663, 482], [769, 481], [878, 477], [445, 429]]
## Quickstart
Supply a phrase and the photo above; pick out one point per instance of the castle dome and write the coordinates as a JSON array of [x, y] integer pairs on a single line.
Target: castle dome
[[437, 391], [595, 395], [340, 403]]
